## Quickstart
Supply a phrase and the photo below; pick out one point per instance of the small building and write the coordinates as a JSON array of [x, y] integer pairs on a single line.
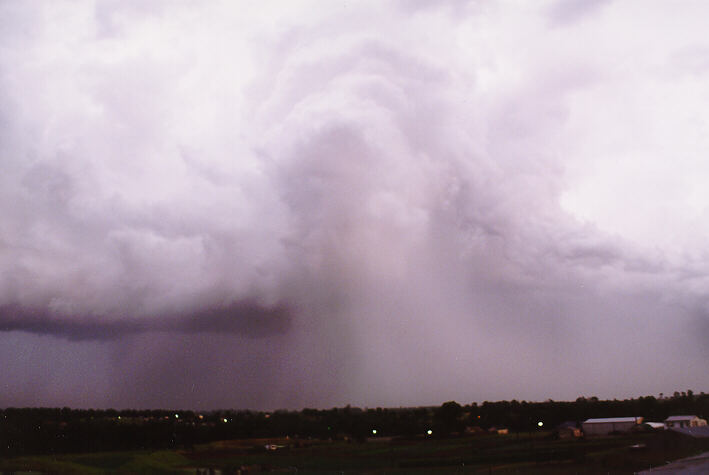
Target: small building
[[685, 421], [607, 425]]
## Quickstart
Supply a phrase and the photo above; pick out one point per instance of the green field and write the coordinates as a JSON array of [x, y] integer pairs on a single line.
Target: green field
[[514, 453]]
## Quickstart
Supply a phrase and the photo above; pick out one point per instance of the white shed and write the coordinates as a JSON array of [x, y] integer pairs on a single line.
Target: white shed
[[685, 421], [607, 425]]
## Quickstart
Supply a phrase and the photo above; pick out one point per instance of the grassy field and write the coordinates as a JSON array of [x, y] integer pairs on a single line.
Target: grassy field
[[514, 453], [99, 463]]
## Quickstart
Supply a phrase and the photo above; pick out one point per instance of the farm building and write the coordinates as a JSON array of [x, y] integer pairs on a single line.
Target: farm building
[[607, 425], [685, 421]]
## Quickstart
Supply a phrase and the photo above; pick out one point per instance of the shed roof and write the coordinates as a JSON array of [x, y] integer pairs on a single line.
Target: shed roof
[[610, 419]]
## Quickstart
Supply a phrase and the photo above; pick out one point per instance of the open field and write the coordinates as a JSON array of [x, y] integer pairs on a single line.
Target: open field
[[514, 453]]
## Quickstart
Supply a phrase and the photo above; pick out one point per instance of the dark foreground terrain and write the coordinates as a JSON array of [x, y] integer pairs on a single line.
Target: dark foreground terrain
[[500, 437], [539, 452]]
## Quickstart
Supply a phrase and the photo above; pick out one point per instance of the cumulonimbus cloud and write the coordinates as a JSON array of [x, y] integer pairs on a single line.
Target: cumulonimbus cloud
[[394, 184]]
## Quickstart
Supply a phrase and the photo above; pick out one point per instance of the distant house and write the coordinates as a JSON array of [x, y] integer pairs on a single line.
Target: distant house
[[607, 425], [685, 421]]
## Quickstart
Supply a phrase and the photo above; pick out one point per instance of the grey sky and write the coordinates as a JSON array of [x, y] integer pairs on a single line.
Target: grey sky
[[376, 203]]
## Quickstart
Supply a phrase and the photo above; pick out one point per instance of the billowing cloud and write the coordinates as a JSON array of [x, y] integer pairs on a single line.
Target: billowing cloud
[[317, 203]]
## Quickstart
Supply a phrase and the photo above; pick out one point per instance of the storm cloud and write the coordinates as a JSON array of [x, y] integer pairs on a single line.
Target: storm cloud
[[378, 203]]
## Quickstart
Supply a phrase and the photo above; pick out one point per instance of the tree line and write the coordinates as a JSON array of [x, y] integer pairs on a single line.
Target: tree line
[[26, 431]]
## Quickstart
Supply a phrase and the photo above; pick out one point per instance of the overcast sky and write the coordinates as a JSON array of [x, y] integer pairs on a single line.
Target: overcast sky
[[311, 204]]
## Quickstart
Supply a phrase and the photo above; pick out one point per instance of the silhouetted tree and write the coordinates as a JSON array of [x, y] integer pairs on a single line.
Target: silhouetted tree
[[447, 418]]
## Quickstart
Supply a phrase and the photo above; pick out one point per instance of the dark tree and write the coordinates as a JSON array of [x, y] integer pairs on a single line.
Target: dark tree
[[448, 418]]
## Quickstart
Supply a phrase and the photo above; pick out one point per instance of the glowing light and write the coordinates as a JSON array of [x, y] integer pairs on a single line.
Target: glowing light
[[429, 432], [540, 423], [224, 419], [177, 416], [374, 431]]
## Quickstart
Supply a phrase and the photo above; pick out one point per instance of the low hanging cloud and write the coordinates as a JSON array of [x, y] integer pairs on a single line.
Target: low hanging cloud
[[380, 203], [245, 318]]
